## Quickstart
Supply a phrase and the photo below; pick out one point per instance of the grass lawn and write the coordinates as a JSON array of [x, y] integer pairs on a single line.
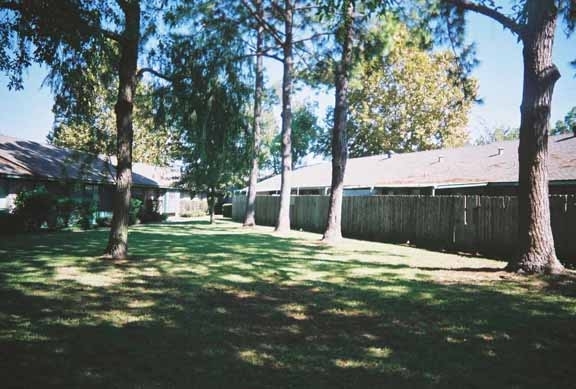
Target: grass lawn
[[219, 306]]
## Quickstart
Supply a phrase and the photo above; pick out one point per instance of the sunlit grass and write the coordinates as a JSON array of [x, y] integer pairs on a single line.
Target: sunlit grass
[[202, 306]]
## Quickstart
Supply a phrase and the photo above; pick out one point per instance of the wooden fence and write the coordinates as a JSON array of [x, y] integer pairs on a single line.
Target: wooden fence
[[193, 207], [477, 224]]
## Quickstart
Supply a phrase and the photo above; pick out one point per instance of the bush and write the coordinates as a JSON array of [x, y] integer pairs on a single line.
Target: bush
[[86, 210], [153, 217], [65, 210], [149, 213], [227, 210], [135, 209], [36, 207]]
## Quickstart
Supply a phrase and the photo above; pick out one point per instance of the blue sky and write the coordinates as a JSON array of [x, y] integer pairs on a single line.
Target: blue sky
[[27, 114]]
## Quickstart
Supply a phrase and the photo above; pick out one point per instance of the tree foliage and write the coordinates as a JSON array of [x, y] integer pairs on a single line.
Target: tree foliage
[[498, 134], [95, 132], [208, 103], [305, 133], [566, 126], [405, 98]]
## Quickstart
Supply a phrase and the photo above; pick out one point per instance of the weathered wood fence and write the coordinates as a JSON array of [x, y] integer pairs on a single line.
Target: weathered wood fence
[[193, 207], [478, 224]]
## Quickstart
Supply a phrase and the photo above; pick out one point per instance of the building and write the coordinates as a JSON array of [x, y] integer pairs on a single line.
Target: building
[[25, 164], [483, 170]]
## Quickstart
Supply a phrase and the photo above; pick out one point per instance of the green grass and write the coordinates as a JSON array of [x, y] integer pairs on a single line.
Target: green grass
[[219, 306]]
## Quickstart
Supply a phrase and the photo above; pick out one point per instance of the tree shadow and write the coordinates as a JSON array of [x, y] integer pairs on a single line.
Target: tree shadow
[[221, 309]]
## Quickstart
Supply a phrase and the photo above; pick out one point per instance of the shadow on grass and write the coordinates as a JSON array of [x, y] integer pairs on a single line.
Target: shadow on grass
[[208, 307]]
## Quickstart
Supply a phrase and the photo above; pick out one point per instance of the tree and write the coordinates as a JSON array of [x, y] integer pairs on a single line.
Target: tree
[[207, 103], [499, 134], [250, 214], [305, 132], [214, 147], [406, 101], [74, 39], [283, 220], [278, 21], [94, 132], [567, 126], [535, 26], [402, 97], [344, 37]]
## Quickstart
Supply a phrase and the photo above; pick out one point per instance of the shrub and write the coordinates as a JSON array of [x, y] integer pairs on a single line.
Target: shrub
[[150, 214], [36, 207], [135, 209], [65, 211], [86, 210]]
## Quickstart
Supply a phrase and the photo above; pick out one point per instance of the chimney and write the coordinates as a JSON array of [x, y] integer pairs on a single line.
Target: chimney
[[500, 150], [440, 158]]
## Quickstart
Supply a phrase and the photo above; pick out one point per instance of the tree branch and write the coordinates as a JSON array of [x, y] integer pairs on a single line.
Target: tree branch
[[491, 13], [11, 5], [270, 29], [156, 73]]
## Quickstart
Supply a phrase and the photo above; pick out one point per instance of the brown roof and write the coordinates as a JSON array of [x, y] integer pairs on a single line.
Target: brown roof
[[458, 166], [23, 158]]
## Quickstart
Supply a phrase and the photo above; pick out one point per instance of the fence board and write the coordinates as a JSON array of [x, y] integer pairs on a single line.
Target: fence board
[[469, 223]]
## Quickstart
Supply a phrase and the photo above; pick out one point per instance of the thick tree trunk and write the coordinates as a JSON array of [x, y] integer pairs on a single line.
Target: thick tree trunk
[[250, 215], [118, 239], [283, 222], [333, 231], [536, 242]]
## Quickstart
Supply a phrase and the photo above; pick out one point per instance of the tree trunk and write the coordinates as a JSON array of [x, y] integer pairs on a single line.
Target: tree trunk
[[211, 205], [283, 223], [536, 242], [249, 216], [118, 239], [333, 231]]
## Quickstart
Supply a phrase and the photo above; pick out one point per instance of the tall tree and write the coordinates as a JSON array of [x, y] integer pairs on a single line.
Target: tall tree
[[213, 143], [207, 104], [250, 214], [304, 135], [128, 41], [71, 39], [283, 220], [535, 26], [278, 21], [403, 97], [344, 37]]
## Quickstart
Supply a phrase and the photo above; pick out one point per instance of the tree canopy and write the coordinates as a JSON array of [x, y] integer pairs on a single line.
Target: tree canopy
[[566, 126]]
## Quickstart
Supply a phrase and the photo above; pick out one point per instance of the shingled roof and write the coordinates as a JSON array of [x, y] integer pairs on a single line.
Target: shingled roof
[[486, 164], [27, 159]]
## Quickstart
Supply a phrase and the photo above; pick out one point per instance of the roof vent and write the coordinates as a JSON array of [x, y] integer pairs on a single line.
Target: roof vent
[[500, 150], [440, 158], [390, 153]]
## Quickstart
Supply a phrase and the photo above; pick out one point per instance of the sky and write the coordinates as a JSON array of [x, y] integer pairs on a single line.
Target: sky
[[27, 114]]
